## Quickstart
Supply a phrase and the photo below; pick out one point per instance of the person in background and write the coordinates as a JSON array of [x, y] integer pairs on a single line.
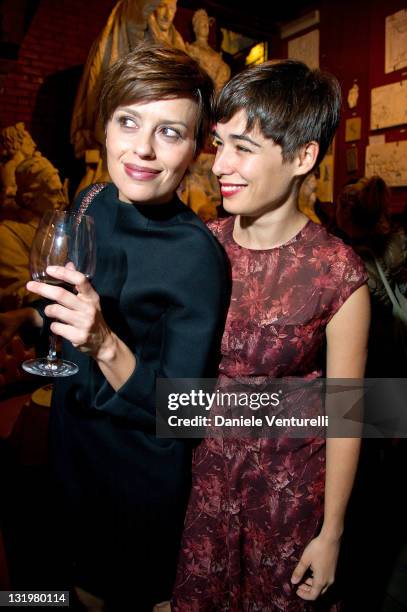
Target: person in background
[[266, 516], [363, 220], [402, 218], [155, 308]]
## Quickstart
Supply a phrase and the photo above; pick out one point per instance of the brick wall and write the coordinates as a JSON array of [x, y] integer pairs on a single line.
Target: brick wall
[[40, 86], [59, 38]]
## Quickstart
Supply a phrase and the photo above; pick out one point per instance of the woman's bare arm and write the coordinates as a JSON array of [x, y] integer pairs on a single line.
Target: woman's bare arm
[[347, 335]]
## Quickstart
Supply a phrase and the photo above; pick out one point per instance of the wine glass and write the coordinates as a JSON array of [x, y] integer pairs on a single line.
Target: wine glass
[[62, 238]]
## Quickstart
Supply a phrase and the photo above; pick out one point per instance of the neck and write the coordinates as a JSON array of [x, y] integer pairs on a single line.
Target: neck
[[269, 230]]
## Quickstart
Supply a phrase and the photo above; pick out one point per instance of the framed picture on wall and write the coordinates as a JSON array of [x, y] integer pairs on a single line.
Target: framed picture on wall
[[388, 105], [325, 181], [352, 159], [396, 41], [353, 129]]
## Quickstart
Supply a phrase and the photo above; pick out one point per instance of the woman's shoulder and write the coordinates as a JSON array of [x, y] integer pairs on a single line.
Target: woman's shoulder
[[337, 260], [330, 244], [221, 228], [338, 270], [188, 220], [87, 195], [193, 236]]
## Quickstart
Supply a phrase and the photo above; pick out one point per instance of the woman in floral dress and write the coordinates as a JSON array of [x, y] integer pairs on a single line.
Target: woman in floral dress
[[265, 517]]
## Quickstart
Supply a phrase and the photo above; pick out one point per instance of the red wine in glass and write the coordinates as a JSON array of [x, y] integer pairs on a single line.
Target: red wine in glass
[[62, 238]]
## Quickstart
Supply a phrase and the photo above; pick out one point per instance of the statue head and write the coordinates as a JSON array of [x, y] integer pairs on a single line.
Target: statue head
[[200, 23], [165, 13], [14, 139], [39, 187]]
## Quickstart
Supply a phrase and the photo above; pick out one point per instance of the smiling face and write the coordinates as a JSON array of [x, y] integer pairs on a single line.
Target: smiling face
[[253, 177], [149, 148]]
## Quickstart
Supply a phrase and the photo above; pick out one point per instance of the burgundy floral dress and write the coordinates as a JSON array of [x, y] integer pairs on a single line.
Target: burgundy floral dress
[[256, 504]]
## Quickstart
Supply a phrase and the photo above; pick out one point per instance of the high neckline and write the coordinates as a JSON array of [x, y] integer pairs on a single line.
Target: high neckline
[[297, 236], [150, 212]]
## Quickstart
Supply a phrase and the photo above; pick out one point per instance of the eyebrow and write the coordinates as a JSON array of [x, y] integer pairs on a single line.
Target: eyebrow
[[130, 111], [239, 137]]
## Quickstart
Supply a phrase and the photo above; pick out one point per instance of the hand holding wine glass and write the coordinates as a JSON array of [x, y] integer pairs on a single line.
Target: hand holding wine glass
[[63, 257]]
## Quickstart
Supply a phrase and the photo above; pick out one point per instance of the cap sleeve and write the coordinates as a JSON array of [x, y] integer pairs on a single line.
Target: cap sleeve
[[348, 274]]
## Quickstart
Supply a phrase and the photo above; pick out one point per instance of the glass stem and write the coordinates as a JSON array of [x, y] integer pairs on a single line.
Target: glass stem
[[52, 353]]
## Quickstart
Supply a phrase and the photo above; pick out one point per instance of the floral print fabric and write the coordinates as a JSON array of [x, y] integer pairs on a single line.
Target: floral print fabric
[[255, 504]]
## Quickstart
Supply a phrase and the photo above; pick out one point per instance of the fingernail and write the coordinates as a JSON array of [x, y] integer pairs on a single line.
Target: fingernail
[[52, 268]]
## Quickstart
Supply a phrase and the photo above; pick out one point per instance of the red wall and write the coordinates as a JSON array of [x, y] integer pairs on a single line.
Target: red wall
[[352, 42]]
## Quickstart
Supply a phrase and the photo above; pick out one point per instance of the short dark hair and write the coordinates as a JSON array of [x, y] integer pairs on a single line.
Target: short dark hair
[[288, 101], [154, 71]]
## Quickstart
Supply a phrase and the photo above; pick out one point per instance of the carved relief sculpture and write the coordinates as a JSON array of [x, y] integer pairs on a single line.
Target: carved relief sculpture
[[353, 95], [39, 188], [16, 145], [200, 188]]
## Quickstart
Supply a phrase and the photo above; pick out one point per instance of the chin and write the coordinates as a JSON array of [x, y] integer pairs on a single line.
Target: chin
[[137, 194], [234, 208]]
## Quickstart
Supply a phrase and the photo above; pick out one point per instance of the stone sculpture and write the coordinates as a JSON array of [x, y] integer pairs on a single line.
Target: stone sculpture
[[16, 145], [39, 188], [202, 52]]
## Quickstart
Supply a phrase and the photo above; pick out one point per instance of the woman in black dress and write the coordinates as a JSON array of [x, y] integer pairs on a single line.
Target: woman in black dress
[[153, 309]]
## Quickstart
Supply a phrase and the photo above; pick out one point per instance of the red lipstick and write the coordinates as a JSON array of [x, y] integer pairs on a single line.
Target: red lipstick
[[230, 189]]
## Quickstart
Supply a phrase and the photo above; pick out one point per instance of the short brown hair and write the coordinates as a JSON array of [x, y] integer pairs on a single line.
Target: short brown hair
[[156, 72], [290, 103]]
